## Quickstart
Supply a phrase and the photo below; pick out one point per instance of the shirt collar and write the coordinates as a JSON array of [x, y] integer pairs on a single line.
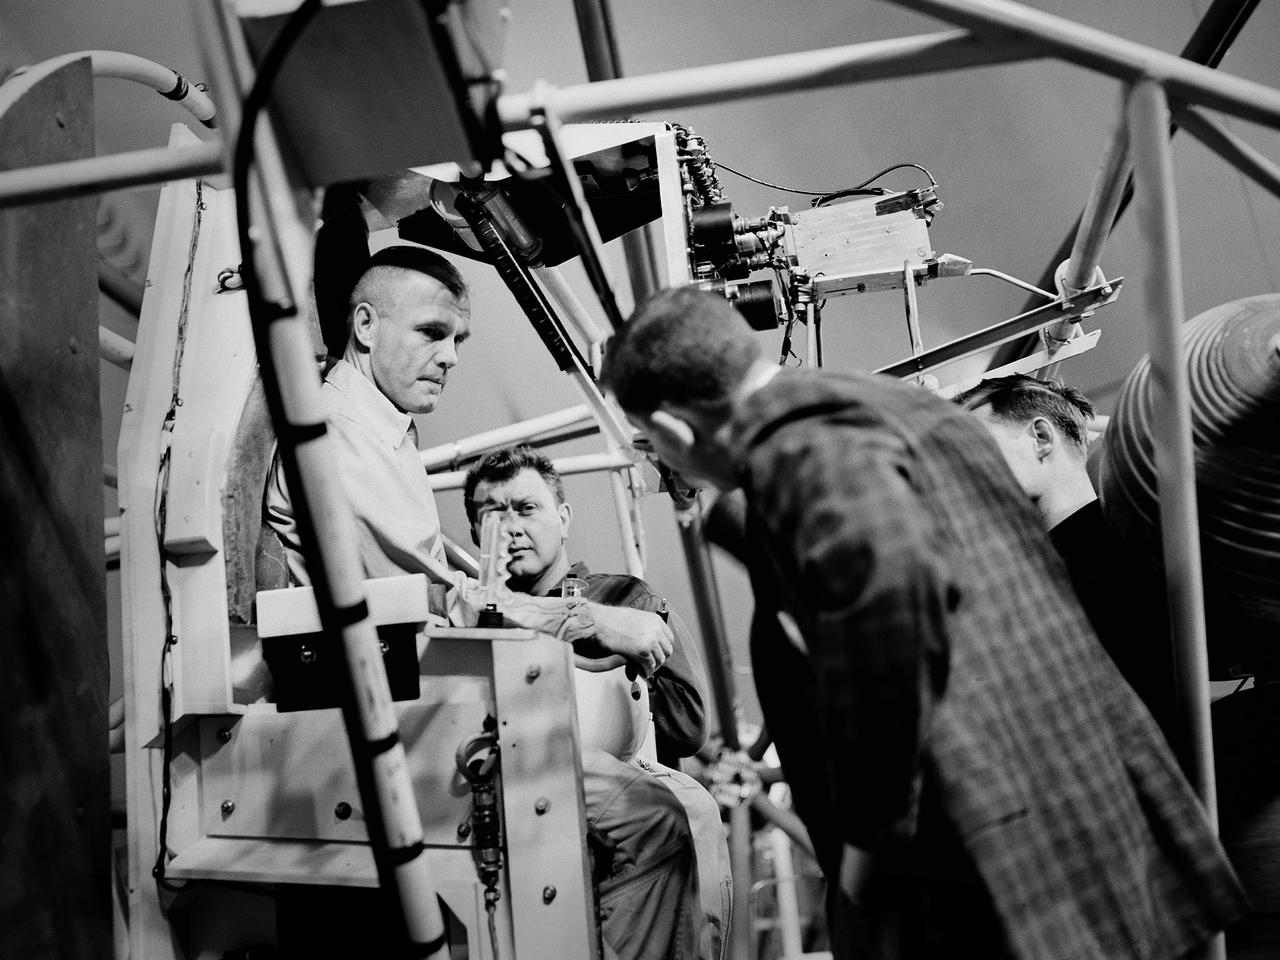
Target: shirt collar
[[369, 405]]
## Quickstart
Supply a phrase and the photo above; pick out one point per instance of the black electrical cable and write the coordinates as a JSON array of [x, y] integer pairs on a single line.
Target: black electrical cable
[[859, 188], [262, 315], [765, 183], [824, 195]]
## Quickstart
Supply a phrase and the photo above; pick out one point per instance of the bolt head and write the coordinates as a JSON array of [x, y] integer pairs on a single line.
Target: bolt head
[[532, 673], [228, 807], [548, 893], [343, 810], [224, 734], [541, 806]]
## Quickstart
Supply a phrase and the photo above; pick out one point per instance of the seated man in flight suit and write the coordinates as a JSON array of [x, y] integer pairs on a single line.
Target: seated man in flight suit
[[628, 802]]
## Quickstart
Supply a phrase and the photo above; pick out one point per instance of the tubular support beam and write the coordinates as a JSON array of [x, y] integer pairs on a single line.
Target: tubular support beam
[[1099, 214], [1148, 116], [715, 643], [1229, 147], [117, 171], [163, 80], [115, 348], [722, 83], [565, 466], [449, 454], [1106, 53]]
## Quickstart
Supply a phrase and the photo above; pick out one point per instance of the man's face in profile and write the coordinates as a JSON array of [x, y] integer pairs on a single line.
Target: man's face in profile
[[414, 341]]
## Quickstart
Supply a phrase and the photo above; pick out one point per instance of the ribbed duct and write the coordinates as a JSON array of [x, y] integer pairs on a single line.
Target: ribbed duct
[[1233, 357]]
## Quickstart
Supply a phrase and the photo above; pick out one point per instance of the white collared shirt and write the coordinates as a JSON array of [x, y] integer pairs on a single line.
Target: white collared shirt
[[375, 452]]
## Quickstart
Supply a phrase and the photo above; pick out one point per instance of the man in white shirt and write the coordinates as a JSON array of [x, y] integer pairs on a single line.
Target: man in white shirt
[[409, 314]]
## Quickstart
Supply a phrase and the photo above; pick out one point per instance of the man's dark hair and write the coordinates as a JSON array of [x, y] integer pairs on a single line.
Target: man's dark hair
[[1019, 399], [502, 465], [681, 346], [419, 260]]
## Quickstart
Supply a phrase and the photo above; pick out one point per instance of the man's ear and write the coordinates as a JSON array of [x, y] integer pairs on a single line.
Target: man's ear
[[675, 430], [1044, 436], [363, 319], [566, 520]]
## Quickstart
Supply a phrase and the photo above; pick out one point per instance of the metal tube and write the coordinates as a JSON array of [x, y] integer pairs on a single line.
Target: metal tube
[[1099, 214], [742, 873], [119, 288], [1171, 423], [784, 872], [622, 508], [565, 466], [447, 454], [164, 80], [722, 83], [706, 598], [114, 348], [784, 820], [1106, 53], [1230, 148], [116, 171], [570, 305]]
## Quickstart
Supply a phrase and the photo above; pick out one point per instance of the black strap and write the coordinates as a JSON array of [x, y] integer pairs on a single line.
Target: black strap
[[179, 90], [346, 616], [296, 434], [399, 856], [428, 948], [375, 748]]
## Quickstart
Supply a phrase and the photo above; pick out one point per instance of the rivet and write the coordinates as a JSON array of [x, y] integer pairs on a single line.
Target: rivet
[[548, 893], [307, 655], [464, 831], [224, 734], [228, 807], [532, 673], [541, 806], [343, 810]]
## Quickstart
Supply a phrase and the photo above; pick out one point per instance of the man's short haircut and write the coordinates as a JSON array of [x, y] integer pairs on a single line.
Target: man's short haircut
[[405, 257], [683, 346], [1019, 399], [502, 465]]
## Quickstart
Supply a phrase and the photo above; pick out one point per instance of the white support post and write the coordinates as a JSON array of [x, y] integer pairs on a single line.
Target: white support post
[[114, 348], [1148, 116]]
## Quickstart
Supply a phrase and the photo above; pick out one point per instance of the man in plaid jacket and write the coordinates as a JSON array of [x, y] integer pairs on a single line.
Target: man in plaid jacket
[[977, 778]]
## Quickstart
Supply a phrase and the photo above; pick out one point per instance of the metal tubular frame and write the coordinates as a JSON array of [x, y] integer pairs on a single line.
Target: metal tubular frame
[[1106, 53], [117, 171], [1099, 214], [478, 444], [1172, 442], [115, 348], [723, 83], [1229, 147], [565, 466]]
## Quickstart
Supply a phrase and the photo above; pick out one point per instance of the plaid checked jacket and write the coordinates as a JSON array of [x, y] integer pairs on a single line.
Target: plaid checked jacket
[[941, 649]]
